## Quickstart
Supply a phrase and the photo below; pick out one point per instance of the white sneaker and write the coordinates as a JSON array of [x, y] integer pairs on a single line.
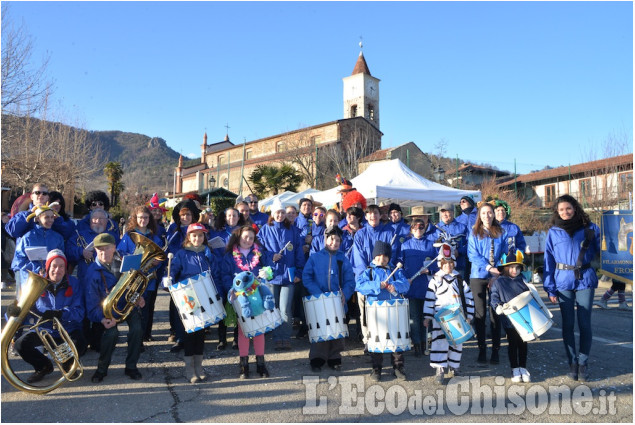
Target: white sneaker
[[516, 376], [601, 303], [624, 306], [524, 374]]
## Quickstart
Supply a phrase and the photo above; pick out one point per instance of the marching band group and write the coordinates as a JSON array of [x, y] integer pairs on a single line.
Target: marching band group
[[406, 284]]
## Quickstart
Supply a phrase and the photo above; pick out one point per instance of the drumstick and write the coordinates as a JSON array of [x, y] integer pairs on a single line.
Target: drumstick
[[425, 266], [170, 257], [284, 248], [397, 267]]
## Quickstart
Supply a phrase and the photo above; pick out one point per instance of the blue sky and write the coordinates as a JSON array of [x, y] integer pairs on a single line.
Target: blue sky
[[543, 83]]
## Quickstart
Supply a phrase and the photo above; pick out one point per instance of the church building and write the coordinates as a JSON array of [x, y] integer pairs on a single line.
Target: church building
[[228, 165]]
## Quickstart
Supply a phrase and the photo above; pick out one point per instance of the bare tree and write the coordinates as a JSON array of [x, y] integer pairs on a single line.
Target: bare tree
[[24, 84], [301, 153], [342, 157]]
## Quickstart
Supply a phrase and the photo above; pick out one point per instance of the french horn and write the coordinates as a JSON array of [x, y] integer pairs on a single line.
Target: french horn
[[132, 284], [60, 353]]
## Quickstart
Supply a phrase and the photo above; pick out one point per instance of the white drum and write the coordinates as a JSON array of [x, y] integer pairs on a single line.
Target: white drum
[[388, 323], [528, 314], [325, 317], [266, 321], [199, 305]]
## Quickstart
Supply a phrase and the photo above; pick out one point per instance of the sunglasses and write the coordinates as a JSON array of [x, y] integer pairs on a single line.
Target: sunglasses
[[97, 204], [38, 193], [252, 202], [419, 227], [318, 215]]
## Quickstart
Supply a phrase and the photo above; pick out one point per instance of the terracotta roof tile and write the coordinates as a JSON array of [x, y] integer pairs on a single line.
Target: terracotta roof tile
[[360, 66]]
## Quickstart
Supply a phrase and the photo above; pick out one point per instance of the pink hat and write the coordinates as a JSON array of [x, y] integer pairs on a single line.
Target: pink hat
[[52, 255], [196, 227]]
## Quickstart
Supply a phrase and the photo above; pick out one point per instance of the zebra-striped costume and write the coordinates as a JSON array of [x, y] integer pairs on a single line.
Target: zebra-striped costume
[[443, 290]]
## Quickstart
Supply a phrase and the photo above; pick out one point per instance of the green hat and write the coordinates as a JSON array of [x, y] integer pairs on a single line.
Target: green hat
[[505, 205], [103, 239]]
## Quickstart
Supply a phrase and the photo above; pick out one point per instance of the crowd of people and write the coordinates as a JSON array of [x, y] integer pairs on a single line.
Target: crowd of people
[[366, 253]]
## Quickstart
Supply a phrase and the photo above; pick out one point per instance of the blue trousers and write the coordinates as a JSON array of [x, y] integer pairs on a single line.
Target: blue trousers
[[577, 303]]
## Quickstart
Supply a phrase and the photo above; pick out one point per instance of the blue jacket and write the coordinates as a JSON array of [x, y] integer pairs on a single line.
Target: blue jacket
[[259, 218], [478, 251], [224, 234], [503, 290], [111, 227], [67, 297], [127, 246], [365, 238], [515, 238], [324, 265], [38, 236], [175, 238], [274, 237], [18, 226], [369, 281], [413, 256], [228, 267], [468, 220], [187, 263], [455, 228], [96, 289], [74, 250], [561, 248]]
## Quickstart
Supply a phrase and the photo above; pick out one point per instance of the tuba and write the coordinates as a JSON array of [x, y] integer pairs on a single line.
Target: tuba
[[132, 284], [60, 353]]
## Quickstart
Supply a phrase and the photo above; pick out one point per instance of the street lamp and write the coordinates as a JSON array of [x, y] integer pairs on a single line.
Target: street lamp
[[212, 182], [439, 174]]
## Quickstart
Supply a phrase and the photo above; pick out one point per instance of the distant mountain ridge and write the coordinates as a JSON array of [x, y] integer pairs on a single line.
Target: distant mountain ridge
[[148, 162]]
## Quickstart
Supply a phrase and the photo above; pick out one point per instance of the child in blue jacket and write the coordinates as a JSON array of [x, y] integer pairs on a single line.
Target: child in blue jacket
[[507, 287], [373, 283]]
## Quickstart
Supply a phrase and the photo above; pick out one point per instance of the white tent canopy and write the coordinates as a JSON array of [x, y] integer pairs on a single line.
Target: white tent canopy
[[286, 198], [393, 181]]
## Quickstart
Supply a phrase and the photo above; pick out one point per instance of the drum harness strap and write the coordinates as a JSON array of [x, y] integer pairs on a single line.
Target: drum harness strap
[[589, 234], [459, 282]]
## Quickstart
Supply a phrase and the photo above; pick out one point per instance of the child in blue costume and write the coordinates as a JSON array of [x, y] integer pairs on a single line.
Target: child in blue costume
[[507, 287], [373, 283], [328, 271]]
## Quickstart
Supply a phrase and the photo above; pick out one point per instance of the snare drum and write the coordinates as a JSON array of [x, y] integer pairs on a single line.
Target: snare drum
[[454, 324], [253, 326], [388, 323], [325, 317], [529, 315], [199, 305]]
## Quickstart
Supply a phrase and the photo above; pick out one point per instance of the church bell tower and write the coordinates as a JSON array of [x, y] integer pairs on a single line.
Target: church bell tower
[[361, 92]]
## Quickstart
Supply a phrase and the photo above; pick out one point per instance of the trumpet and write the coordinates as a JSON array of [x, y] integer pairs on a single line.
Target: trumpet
[[81, 242], [132, 284], [60, 353]]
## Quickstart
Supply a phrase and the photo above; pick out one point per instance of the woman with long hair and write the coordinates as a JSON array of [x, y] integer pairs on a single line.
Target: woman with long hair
[[282, 240], [244, 252], [572, 243], [486, 244], [142, 221]]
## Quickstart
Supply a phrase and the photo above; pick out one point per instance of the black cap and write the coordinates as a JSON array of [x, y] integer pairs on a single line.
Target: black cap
[[394, 206], [333, 230], [382, 248]]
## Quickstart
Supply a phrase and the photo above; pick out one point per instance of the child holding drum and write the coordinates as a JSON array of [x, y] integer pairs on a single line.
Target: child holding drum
[[244, 253], [380, 282], [195, 258], [328, 270], [508, 286], [445, 289]]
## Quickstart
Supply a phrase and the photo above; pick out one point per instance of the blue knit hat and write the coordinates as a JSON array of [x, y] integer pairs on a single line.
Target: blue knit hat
[[382, 248]]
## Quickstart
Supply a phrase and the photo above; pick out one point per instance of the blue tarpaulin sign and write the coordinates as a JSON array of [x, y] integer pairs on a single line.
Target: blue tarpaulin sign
[[616, 254]]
